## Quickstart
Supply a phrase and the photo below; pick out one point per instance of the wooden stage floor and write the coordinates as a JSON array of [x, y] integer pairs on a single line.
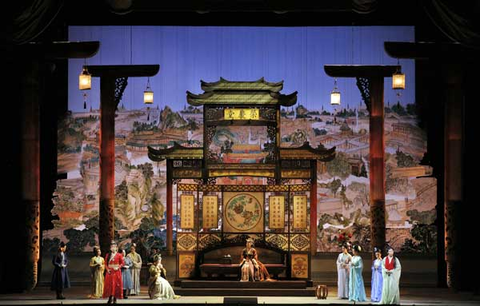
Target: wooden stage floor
[[79, 296]]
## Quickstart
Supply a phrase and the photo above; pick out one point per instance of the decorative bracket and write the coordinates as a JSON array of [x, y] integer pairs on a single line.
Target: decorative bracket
[[120, 85], [363, 85]]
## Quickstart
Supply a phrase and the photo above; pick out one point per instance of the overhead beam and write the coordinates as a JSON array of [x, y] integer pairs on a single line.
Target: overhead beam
[[360, 71], [451, 52], [123, 71]]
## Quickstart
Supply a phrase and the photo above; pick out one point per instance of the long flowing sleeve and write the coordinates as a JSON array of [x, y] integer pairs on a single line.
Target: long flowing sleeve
[[56, 262]]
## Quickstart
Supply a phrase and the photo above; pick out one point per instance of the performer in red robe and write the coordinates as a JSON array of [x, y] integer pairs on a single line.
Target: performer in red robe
[[113, 287]]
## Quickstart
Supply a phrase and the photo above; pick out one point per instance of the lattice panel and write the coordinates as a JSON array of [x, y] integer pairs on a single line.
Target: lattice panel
[[186, 242], [210, 188], [208, 240], [273, 188], [247, 188], [299, 242], [187, 187], [305, 187], [278, 240]]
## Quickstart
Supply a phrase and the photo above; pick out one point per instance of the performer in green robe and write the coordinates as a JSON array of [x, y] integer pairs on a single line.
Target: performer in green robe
[[137, 267], [391, 270]]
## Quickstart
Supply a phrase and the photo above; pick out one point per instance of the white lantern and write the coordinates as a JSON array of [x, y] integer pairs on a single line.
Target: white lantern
[[335, 95], [85, 80]]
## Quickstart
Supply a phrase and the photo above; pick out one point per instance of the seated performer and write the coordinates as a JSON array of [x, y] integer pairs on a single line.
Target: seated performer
[[158, 287], [250, 267]]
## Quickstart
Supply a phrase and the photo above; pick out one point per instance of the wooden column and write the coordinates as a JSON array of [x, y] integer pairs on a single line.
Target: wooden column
[[450, 57], [453, 170], [169, 208], [113, 81], [370, 83], [34, 56], [377, 163], [30, 168], [107, 163], [313, 209]]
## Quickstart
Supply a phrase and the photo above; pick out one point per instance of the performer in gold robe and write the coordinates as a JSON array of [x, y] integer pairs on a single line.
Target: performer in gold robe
[[251, 268], [97, 267], [158, 287]]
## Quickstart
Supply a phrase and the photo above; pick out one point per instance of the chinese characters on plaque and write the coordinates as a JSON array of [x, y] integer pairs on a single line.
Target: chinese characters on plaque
[[241, 114], [187, 208], [277, 212], [210, 212], [299, 212]]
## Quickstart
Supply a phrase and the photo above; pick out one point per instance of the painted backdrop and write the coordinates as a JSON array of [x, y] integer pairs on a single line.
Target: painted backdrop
[[296, 55]]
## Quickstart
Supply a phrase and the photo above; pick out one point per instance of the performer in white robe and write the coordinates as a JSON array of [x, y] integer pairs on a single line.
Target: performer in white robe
[[343, 261], [391, 270], [137, 267]]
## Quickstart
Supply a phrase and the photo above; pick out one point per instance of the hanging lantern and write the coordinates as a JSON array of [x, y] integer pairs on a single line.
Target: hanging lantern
[[148, 94], [85, 80], [335, 95], [398, 80]]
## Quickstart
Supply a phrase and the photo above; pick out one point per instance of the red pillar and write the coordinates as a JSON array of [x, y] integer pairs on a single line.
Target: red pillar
[[30, 169], [313, 210], [453, 170], [107, 163], [169, 209], [377, 163]]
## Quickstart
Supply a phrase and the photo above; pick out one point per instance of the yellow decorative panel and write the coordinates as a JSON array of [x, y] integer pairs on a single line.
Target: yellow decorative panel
[[300, 242], [241, 114], [306, 173], [243, 211], [187, 211], [278, 240], [300, 212], [186, 265], [299, 266], [276, 212], [210, 212], [186, 242]]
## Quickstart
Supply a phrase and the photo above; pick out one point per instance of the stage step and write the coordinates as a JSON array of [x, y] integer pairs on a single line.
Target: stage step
[[245, 291], [291, 284]]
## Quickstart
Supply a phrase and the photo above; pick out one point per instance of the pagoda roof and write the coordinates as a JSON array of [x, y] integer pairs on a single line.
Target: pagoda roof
[[224, 92], [307, 152], [223, 84], [241, 97], [175, 152]]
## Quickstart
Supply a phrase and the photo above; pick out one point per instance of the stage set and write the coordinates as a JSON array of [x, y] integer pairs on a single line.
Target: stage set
[[294, 153]]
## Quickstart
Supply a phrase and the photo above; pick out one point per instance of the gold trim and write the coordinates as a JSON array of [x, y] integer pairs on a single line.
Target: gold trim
[[296, 173], [257, 173]]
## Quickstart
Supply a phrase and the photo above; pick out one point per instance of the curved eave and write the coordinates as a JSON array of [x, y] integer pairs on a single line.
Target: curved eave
[[223, 84], [307, 152], [175, 152], [288, 100], [239, 98]]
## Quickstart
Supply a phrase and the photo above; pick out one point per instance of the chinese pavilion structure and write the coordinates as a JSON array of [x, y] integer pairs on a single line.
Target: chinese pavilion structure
[[242, 184]]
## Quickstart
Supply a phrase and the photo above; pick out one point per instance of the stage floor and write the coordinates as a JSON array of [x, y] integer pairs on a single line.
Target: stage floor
[[79, 296]]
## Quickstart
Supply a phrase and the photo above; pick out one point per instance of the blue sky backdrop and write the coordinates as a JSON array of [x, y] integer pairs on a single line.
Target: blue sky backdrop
[[189, 54]]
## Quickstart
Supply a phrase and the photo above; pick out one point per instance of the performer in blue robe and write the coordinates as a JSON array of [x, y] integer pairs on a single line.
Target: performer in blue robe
[[343, 272], [377, 278], [60, 279], [356, 290], [126, 274]]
